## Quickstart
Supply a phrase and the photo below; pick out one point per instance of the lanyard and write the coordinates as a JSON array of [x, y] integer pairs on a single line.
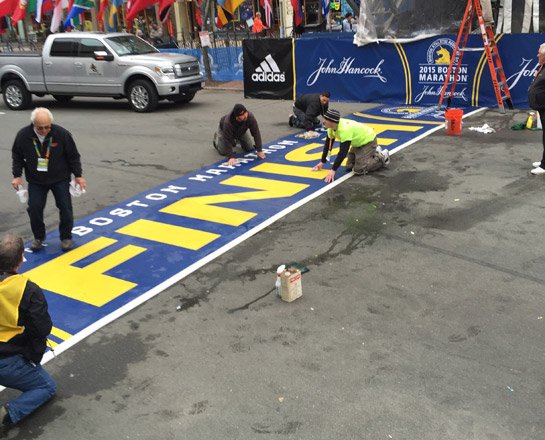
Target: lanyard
[[38, 150]]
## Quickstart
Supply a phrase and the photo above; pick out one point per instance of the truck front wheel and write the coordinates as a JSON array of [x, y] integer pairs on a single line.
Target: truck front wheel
[[16, 95], [142, 96]]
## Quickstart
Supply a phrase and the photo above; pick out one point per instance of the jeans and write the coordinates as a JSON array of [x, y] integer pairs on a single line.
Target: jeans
[[37, 196], [299, 120], [35, 383]]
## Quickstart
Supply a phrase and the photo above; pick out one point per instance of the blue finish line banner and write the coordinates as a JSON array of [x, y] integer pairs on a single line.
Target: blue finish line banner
[[413, 73], [132, 251]]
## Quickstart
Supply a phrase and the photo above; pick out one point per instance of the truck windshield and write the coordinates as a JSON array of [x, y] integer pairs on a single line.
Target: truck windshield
[[130, 45]]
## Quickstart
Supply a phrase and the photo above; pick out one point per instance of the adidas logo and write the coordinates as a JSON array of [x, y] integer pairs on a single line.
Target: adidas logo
[[268, 71]]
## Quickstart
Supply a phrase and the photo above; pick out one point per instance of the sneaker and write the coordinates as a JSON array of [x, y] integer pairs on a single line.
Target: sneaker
[[215, 140], [386, 156], [36, 245], [290, 120], [537, 171], [536, 164], [67, 244]]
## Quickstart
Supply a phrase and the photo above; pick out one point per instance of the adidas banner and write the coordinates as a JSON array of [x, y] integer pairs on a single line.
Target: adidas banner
[[268, 68]]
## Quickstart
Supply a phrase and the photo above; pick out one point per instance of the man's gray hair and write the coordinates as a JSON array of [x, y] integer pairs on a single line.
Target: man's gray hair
[[11, 251], [542, 48], [38, 110]]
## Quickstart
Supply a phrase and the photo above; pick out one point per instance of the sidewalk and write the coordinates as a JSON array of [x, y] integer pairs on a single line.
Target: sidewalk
[[229, 85]]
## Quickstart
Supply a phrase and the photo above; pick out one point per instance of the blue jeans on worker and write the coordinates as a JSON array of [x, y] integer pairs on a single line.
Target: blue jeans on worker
[[37, 197], [36, 384], [299, 119]]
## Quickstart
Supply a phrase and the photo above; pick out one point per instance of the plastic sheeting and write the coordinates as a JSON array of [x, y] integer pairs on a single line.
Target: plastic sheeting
[[406, 20]]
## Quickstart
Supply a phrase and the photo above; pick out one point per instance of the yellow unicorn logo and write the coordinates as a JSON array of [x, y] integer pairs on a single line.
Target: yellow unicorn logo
[[444, 56]]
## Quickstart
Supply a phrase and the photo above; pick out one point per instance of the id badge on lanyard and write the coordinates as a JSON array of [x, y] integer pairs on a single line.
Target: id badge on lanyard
[[43, 162]]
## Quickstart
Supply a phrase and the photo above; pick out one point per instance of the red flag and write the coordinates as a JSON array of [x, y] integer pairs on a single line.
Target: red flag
[[100, 15], [297, 11], [7, 7], [198, 16], [164, 9], [134, 7], [19, 12]]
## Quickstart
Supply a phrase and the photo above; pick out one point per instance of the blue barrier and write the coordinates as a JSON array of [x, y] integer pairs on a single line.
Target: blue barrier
[[225, 62]]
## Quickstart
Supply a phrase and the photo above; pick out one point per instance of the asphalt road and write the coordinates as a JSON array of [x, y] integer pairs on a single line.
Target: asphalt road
[[421, 316]]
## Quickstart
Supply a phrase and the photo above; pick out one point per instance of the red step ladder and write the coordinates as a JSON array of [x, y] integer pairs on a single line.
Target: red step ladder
[[501, 89]]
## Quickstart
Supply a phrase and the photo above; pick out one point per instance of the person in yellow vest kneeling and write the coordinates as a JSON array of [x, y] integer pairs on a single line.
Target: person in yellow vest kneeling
[[24, 326], [358, 142]]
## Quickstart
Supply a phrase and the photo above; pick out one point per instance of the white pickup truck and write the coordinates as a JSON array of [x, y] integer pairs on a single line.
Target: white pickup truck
[[116, 65]]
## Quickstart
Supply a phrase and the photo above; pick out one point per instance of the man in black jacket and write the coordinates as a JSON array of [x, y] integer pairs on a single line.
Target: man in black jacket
[[238, 126], [48, 155], [307, 108], [536, 100], [24, 326]]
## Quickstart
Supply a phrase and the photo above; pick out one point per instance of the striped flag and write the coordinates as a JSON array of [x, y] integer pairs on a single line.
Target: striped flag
[[114, 12], [56, 19], [78, 7], [43, 6], [268, 13]]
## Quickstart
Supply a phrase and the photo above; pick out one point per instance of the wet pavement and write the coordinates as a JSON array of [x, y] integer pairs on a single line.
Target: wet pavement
[[421, 316]]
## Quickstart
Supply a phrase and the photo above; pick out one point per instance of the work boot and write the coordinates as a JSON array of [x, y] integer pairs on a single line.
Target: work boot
[[67, 244], [36, 244]]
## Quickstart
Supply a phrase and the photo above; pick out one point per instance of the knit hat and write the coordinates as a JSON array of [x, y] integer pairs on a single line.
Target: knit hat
[[332, 115], [238, 109]]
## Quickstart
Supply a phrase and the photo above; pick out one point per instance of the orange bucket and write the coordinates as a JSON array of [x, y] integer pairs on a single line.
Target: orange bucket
[[453, 121]]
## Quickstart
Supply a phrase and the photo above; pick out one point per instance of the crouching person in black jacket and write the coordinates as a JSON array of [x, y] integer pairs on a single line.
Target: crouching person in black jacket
[[24, 326]]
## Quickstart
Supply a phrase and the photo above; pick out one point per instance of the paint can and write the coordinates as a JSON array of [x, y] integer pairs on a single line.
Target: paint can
[[453, 121]]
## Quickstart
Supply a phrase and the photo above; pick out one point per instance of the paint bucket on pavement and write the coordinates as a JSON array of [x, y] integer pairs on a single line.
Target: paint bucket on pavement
[[453, 121]]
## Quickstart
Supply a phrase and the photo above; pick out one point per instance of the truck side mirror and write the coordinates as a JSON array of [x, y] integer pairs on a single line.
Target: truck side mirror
[[102, 55]]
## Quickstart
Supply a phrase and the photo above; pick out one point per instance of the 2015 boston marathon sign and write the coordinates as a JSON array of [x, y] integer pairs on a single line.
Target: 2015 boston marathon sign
[[132, 251]]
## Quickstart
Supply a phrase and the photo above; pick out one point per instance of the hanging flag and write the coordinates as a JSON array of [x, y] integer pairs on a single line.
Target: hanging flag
[[41, 7], [19, 12], [56, 20], [114, 12], [325, 7], [164, 9], [231, 6], [269, 13], [134, 7], [100, 15], [78, 7], [223, 17], [297, 11], [198, 17], [7, 7]]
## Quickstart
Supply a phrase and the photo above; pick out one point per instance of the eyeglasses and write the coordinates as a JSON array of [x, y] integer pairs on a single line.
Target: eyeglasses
[[43, 127]]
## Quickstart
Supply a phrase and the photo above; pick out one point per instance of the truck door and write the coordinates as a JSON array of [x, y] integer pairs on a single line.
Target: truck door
[[59, 66], [95, 77]]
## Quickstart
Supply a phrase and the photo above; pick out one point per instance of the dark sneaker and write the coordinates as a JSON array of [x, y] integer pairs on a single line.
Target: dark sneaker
[[36, 245], [290, 120], [67, 244]]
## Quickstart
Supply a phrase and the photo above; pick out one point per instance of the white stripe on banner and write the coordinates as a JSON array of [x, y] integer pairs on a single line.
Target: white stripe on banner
[[507, 16], [499, 27], [526, 17], [536, 16]]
